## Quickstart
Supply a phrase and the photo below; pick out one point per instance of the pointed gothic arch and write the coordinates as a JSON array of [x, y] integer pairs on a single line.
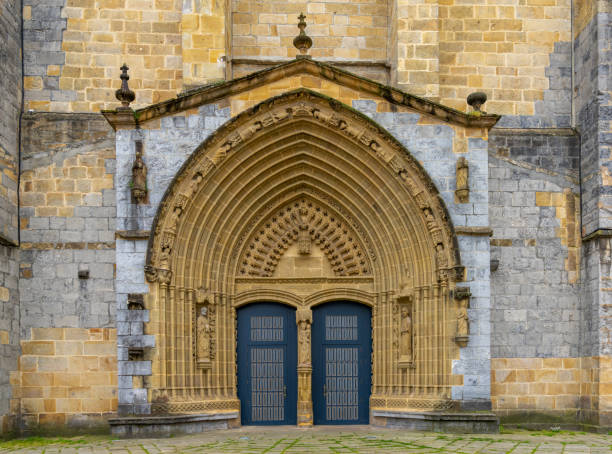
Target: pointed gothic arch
[[302, 169]]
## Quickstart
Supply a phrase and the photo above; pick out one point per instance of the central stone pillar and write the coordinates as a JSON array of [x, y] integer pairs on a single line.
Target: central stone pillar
[[304, 410]]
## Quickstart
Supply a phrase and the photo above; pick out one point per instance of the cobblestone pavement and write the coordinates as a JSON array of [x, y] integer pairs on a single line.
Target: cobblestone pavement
[[251, 440]]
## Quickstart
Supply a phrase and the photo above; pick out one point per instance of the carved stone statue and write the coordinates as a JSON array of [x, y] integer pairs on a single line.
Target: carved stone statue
[[463, 189], [441, 256], [203, 336], [139, 176], [304, 320], [406, 333], [304, 341], [304, 240], [174, 217], [195, 184], [463, 321], [429, 218]]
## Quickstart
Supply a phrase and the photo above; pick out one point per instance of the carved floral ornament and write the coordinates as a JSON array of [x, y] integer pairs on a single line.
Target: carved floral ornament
[[300, 105], [306, 222]]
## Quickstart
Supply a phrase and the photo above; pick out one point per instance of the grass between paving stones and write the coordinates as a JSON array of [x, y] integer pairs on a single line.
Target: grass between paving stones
[[39, 442]]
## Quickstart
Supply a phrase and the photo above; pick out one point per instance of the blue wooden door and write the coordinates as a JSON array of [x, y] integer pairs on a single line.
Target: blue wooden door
[[341, 359], [267, 364]]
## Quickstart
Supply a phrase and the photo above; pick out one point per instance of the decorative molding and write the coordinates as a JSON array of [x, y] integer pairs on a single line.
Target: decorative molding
[[214, 92], [599, 233], [268, 63], [132, 234], [158, 408], [535, 131], [381, 403], [49, 246], [462, 230], [305, 280]]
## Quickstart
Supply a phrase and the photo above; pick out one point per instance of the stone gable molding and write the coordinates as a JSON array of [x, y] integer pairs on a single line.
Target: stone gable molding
[[207, 94]]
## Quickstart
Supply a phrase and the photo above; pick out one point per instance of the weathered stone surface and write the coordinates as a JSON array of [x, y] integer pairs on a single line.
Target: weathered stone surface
[[11, 83]]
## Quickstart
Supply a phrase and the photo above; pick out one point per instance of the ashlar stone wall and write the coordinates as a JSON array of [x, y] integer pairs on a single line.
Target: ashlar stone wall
[[10, 110], [67, 374], [537, 315]]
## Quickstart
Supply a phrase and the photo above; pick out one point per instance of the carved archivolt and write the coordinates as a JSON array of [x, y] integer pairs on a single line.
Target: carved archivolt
[[295, 106], [302, 171], [306, 222]]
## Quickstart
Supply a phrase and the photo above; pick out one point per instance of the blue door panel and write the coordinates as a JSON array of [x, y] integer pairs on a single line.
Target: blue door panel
[[341, 357], [267, 364]]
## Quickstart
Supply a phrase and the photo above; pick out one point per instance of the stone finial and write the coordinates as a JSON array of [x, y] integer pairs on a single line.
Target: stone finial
[[476, 100], [124, 94], [302, 42]]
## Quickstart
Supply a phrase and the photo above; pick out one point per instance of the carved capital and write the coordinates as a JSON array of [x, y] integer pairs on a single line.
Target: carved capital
[[164, 276]]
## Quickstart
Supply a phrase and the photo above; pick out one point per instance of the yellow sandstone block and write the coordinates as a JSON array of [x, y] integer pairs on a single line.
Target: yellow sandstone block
[[543, 199], [32, 83]]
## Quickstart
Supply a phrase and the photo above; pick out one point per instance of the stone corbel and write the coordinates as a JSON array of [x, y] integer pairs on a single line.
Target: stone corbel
[[462, 296]]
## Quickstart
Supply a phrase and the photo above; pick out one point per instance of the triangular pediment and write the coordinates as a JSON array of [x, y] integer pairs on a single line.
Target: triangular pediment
[[207, 94]]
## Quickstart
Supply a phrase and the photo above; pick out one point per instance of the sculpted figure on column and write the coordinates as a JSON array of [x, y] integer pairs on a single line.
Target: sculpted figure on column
[[304, 320], [406, 333], [203, 336]]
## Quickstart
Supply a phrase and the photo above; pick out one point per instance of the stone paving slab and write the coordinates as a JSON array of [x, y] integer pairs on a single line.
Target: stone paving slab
[[320, 440]]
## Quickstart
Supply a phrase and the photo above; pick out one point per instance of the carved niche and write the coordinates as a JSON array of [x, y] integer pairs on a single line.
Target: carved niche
[[304, 221], [205, 322]]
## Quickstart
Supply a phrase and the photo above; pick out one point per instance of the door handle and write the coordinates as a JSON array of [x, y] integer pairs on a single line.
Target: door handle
[[284, 391], [325, 389]]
